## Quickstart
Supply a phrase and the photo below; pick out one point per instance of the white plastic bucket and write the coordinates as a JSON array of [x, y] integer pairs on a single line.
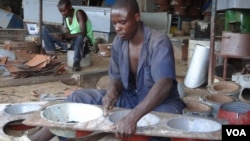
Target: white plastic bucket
[[85, 62], [198, 68]]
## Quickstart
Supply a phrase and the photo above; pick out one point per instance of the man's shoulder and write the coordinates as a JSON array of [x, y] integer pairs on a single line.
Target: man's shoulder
[[156, 36], [80, 11], [153, 33]]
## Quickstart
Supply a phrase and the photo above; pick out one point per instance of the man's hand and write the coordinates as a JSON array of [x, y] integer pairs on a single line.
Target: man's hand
[[126, 127], [59, 36], [109, 101], [111, 96]]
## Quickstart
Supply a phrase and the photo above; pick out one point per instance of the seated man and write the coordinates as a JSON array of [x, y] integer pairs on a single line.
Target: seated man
[[141, 72], [79, 32]]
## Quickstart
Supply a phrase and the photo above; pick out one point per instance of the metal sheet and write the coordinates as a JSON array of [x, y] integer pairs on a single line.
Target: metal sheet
[[5, 17], [10, 20], [156, 20], [99, 16], [230, 4], [50, 12], [235, 44]]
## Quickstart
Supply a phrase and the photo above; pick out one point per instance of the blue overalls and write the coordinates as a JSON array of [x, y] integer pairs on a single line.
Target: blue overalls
[[156, 61]]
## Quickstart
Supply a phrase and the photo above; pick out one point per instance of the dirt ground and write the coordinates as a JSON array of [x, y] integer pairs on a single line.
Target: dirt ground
[[33, 92], [27, 93]]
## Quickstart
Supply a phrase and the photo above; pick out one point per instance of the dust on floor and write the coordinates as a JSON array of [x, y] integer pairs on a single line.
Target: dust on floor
[[26, 93]]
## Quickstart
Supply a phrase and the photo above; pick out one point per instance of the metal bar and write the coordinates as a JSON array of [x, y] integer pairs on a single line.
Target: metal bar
[[225, 68], [40, 24], [212, 40]]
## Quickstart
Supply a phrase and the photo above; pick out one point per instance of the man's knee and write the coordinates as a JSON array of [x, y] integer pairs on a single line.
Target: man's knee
[[88, 96], [77, 96], [174, 107]]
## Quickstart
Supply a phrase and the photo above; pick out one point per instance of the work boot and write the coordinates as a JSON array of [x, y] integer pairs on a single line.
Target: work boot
[[76, 66]]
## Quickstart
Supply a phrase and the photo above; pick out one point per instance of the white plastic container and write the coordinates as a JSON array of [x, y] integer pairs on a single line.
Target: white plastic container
[[85, 62], [193, 42], [198, 68]]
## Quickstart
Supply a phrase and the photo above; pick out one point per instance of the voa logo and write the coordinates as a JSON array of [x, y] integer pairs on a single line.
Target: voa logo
[[236, 132]]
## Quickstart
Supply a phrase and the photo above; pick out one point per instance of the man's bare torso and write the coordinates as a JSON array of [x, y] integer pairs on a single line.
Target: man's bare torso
[[134, 55]]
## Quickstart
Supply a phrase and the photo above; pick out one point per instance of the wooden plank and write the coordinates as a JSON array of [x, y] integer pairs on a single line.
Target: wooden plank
[[103, 124], [13, 34], [88, 79], [20, 45]]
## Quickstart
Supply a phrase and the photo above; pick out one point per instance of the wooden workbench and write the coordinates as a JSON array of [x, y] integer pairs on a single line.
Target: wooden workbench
[[103, 124]]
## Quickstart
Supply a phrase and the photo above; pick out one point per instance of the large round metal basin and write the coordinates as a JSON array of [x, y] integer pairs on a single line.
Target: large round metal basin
[[194, 124], [146, 120], [70, 113], [22, 108]]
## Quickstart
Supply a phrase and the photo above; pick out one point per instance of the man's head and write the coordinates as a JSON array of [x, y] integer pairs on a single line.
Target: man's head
[[64, 7], [125, 16]]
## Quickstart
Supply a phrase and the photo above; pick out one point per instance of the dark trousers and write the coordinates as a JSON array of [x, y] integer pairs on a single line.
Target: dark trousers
[[80, 44]]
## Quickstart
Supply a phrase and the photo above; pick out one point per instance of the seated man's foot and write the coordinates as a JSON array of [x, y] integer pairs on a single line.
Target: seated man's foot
[[76, 66]]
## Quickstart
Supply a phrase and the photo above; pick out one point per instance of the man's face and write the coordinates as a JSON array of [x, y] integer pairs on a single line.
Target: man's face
[[64, 10], [125, 23]]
